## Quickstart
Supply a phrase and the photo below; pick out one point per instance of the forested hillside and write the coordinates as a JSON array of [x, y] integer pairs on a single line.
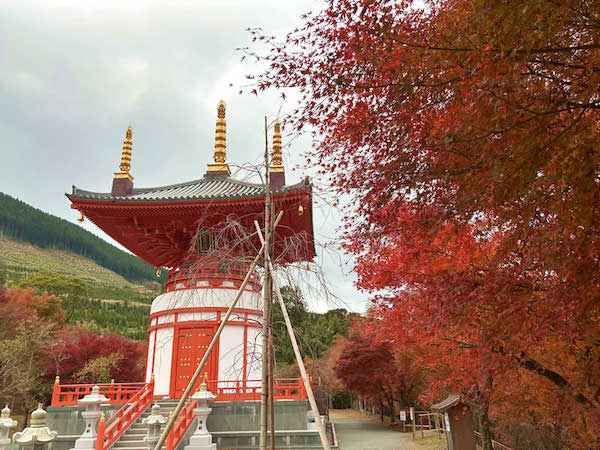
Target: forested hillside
[[21, 221]]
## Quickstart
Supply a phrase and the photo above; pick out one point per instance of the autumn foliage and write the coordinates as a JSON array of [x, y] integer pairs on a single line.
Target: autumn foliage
[[379, 371], [36, 345], [466, 133]]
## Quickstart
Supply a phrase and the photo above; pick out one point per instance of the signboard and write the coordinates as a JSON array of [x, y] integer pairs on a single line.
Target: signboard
[[403, 416], [412, 413]]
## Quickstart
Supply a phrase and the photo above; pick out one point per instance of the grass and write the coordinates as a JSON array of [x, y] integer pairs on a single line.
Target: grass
[[112, 304], [20, 259], [430, 442]]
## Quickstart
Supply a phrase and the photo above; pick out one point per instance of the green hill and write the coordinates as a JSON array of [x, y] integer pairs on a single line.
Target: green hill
[[20, 259], [28, 224], [43, 251], [108, 304]]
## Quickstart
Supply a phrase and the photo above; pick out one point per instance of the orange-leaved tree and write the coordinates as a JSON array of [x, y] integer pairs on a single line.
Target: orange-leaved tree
[[466, 132]]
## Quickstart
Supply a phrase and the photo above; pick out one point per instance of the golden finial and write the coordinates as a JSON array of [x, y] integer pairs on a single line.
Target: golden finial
[[102, 418], [80, 218], [57, 379], [220, 135], [125, 165], [220, 155], [126, 156], [276, 159]]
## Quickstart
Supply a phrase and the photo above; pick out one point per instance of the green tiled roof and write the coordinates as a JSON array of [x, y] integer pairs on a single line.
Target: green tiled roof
[[203, 189]]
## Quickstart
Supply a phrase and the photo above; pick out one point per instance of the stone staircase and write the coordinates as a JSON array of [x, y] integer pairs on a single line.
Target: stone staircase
[[133, 438]]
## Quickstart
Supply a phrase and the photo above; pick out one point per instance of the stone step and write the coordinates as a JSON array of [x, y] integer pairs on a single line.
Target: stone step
[[137, 436], [144, 447], [116, 447], [130, 444]]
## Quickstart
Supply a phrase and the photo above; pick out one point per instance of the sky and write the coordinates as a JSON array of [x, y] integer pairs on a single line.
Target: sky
[[74, 75]]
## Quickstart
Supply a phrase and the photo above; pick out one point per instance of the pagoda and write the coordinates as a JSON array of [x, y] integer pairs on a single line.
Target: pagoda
[[203, 233]]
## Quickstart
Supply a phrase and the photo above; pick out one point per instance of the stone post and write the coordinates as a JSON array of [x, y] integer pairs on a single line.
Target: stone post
[[37, 435], [6, 423], [91, 415], [153, 422], [201, 439]]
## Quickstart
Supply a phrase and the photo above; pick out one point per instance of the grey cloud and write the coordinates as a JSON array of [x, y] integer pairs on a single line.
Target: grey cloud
[[74, 75]]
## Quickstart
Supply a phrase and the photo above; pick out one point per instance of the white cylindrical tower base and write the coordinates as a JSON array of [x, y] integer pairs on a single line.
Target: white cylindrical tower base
[[182, 324]]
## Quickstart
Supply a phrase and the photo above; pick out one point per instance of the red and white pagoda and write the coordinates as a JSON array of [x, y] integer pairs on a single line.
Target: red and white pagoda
[[202, 231]]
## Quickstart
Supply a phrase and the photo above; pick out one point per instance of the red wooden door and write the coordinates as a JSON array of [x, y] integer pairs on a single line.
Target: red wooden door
[[192, 343]]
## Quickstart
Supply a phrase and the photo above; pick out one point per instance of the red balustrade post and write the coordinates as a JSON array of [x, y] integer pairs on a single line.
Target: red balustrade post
[[170, 439], [302, 389], [151, 385], [101, 432], [56, 391]]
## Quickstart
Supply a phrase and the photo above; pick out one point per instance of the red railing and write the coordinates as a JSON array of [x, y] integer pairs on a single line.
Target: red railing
[[285, 388], [189, 276], [186, 417], [119, 393], [70, 394], [138, 396], [110, 430]]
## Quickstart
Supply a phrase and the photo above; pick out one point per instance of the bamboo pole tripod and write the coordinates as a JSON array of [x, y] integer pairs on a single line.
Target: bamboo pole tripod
[[290, 329], [192, 382], [270, 282]]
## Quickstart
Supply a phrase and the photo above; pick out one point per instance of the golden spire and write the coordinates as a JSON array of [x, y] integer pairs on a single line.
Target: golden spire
[[276, 159], [220, 155], [220, 137], [125, 165]]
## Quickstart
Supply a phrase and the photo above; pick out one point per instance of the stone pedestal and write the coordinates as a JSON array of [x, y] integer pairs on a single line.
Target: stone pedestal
[[91, 415], [37, 435], [154, 421], [6, 424], [201, 439]]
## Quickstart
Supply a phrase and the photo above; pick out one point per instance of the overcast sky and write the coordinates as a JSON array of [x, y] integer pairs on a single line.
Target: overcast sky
[[74, 75]]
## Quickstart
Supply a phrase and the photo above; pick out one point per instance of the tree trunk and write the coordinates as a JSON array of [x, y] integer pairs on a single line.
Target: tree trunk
[[484, 428], [381, 409], [392, 410]]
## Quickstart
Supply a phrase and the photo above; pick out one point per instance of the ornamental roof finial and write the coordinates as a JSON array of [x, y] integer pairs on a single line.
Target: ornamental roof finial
[[220, 156], [220, 135], [276, 171], [125, 165], [276, 159], [127, 146]]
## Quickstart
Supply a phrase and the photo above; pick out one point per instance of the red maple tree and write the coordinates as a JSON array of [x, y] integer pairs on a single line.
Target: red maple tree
[[466, 134], [378, 370]]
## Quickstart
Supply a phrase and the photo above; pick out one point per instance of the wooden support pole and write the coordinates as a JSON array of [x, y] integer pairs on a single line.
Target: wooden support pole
[[271, 383], [213, 342], [267, 302], [290, 329]]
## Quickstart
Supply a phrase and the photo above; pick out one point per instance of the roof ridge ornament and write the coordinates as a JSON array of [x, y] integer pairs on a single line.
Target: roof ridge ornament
[[123, 181], [277, 159], [220, 155], [276, 170], [125, 165]]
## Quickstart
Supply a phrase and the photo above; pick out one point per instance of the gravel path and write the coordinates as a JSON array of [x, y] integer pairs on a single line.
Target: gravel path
[[357, 431]]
